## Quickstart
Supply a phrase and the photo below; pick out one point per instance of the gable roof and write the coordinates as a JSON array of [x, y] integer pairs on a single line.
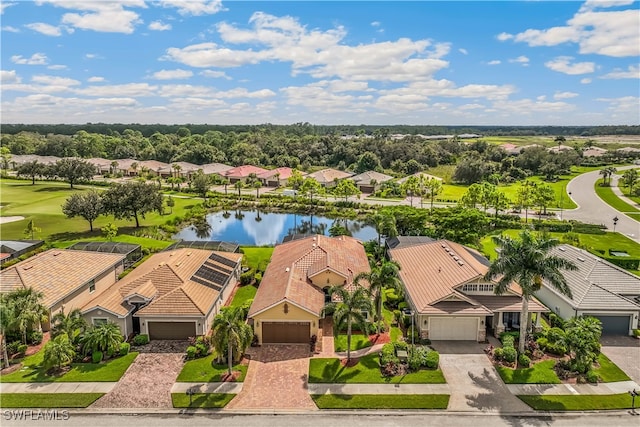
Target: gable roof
[[211, 168], [243, 171], [285, 173], [292, 263], [57, 272], [172, 281], [365, 178], [418, 174], [326, 176]]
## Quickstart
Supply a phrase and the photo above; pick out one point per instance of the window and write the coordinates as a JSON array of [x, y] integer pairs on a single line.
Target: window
[[92, 287], [97, 321]]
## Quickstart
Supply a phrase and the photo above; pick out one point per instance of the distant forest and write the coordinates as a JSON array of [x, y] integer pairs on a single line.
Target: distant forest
[[302, 129]]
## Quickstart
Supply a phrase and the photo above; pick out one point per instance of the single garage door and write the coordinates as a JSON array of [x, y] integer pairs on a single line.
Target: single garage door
[[614, 325], [453, 328], [171, 330], [285, 332]]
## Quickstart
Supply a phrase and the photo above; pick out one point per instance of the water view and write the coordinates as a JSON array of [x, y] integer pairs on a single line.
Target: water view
[[259, 229]]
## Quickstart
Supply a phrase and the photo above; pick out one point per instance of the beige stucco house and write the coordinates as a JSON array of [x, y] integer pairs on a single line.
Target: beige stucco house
[[288, 305], [173, 295]]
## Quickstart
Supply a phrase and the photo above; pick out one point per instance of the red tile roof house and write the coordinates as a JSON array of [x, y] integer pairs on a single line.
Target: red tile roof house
[[67, 278], [173, 295], [288, 305], [328, 177], [241, 173], [444, 286], [276, 177]]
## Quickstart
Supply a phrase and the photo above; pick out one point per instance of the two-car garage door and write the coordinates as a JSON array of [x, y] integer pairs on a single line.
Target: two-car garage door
[[171, 330], [453, 328], [614, 325], [285, 332]]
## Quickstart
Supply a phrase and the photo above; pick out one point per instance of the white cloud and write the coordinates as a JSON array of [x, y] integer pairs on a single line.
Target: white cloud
[[10, 29], [159, 26], [123, 90], [171, 74], [610, 33], [471, 107], [375, 24], [54, 80], [494, 62], [521, 60], [195, 7], [564, 95], [529, 106], [4, 5], [585, 81], [562, 64], [100, 16], [46, 29], [95, 79], [625, 109], [93, 56], [595, 4], [7, 76], [633, 72], [57, 67], [463, 51], [36, 59], [215, 74]]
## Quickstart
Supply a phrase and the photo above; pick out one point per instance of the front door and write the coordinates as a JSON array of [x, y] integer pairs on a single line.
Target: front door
[[136, 325]]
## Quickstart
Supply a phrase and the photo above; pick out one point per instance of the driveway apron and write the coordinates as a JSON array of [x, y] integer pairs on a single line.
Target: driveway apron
[[624, 352], [276, 379]]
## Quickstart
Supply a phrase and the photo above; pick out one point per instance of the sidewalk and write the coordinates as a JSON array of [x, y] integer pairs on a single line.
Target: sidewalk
[[231, 388], [379, 389], [59, 387], [359, 353], [618, 192], [576, 389]]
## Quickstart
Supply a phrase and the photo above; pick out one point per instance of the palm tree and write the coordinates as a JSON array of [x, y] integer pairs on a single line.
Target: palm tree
[[225, 182], [612, 172], [72, 325], [58, 352], [380, 278], [605, 174], [176, 167], [630, 178], [238, 186], [527, 262], [7, 318], [433, 186], [257, 185], [29, 310], [349, 310], [384, 224], [231, 334], [105, 337]]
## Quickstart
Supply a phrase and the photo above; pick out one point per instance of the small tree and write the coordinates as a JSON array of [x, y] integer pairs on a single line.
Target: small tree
[[72, 325], [201, 183], [583, 341], [231, 334], [109, 231], [31, 169], [381, 277], [105, 337], [58, 352], [170, 204], [257, 185], [433, 187], [346, 188], [31, 230], [349, 310], [88, 206]]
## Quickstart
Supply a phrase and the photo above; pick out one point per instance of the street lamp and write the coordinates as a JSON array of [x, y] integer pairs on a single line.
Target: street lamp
[[633, 394], [413, 331], [615, 222]]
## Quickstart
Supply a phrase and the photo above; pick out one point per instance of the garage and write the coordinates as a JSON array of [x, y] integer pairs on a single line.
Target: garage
[[285, 332], [614, 325], [453, 328], [171, 330]]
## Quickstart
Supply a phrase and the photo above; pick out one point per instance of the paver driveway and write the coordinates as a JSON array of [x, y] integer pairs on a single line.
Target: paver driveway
[[624, 352], [277, 379], [474, 383]]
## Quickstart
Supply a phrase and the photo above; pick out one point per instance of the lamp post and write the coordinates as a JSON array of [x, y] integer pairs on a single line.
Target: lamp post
[[633, 394], [615, 222], [413, 331]]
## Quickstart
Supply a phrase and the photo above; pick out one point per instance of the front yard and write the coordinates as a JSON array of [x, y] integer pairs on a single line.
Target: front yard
[[381, 401], [358, 342], [201, 400], [206, 370], [585, 402], [49, 400]]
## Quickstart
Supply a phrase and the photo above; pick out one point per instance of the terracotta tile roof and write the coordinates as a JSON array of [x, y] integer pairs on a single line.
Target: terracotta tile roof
[[285, 173], [326, 176], [153, 165], [57, 272], [124, 164], [292, 263], [167, 278], [243, 171]]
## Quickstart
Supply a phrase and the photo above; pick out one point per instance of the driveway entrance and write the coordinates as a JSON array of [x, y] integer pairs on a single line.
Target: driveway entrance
[[624, 351]]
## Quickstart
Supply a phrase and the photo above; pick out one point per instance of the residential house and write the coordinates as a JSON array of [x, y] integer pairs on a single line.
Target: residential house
[[153, 167], [18, 160], [295, 287], [67, 279], [127, 167], [175, 294], [418, 175], [276, 177], [559, 148], [241, 173], [329, 177], [599, 289], [12, 249], [369, 181], [103, 166], [448, 295], [215, 169], [594, 152]]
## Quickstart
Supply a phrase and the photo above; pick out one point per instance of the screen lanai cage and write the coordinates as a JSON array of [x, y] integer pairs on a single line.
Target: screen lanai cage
[[132, 252], [210, 245]]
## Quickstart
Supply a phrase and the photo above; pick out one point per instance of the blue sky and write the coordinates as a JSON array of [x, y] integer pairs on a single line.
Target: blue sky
[[203, 61]]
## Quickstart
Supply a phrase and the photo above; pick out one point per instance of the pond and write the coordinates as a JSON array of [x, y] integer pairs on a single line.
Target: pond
[[253, 228]]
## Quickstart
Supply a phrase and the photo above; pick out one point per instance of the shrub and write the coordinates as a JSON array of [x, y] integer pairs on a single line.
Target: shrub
[[422, 352], [399, 345], [508, 341], [141, 339], [433, 360], [403, 305], [12, 347], [592, 377], [392, 298], [191, 352], [524, 361], [247, 277], [498, 353], [555, 334], [202, 349], [388, 355], [124, 348], [556, 321], [258, 278], [34, 337], [636, 332], [96, 356], [510, 354], [415, 360], [22, 349]]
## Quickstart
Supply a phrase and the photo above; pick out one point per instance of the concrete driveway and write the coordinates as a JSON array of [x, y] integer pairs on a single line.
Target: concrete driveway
[[624, 352], [473, 381]]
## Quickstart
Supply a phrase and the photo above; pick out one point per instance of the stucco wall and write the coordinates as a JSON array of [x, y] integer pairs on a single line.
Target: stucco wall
[[124, 324], [555, 303], [200, 324], [277, 314], [327, 278]]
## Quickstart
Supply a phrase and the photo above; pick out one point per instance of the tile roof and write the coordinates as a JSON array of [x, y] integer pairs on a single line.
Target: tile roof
[[285, 173], [418, 174], [243, 171], [166, 277], [57, 272], [287, 276], [124, 164], [212, 168], [365, 178], [153, 165], [325, 176]]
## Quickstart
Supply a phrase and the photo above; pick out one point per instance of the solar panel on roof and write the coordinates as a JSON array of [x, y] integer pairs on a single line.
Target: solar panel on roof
[[206, 283], [211, 275], [222, 260], [218, 267]]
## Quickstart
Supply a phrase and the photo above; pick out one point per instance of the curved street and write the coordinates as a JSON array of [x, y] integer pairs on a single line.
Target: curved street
[[593, 210]]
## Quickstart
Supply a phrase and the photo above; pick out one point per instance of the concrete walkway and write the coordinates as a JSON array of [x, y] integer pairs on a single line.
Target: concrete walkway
[[379, 389], [359, 353], [229, 387], [618, 192], [59, 387], [567, 389]]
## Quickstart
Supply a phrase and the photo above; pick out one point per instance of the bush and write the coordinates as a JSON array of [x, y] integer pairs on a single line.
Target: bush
[[433, 360], [247, 277], [96, 356], [415, 360], [124, 348], [557, 348], [22, 349], [191, 352], [392, 298], [555, 334], [403, 305], [556, 321], [636, 332], [34, 337], [592, 377], [524, 361], [498, 353], [202, 349], [626, 262], [507, 341], [400, 345], [510, 354], [12, 347], [388, 355], [258, 278], [141, 339]]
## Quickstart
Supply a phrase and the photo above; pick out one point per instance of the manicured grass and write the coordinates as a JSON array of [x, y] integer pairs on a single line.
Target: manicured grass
[[206, 370], [609, 197], [358, 342], [609, 371], [201, 400], [367, 371], [635, 216], [244, 293], [49, 400], [32, 371], [395, 334], [381, 401], [584, 402], [257, 258], [540, 373]]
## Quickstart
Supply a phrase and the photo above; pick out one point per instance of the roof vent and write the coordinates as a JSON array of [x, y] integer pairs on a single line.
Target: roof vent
[[562, 249], [443, 245], [56, 253], [580, 259], [286, 269], [314, 238], [452, 254], [28, 267], [189, 253], [314, 245], [178, 264], [460, 263], [447, 249], [456, 258]]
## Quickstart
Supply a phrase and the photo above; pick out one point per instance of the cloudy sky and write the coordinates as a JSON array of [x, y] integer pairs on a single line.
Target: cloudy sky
[[204, 61]]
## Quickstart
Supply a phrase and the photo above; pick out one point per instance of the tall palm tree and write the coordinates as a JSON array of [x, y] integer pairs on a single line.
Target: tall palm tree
[[605, 174], [384, 224], [7, 319], [29, 310], [527, 261], [72, 325], [612, 172], [348, 310], [380, 278], [58, 352], [231, 334]]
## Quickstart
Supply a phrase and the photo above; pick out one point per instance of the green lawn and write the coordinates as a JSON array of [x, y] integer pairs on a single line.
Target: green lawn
[[358, 341], [540, 373], [367, 371], [257, 258], [243, 294], [609, 197], [201, 400], [108, 371], [609, 371], [206, 370], [584, 402], [381, 401], [49, 400]]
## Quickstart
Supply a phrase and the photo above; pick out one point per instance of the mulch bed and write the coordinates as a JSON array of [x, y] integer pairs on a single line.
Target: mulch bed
[[382, 338], [36, 348], [226, 378], [353, 362], [11, 369]]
